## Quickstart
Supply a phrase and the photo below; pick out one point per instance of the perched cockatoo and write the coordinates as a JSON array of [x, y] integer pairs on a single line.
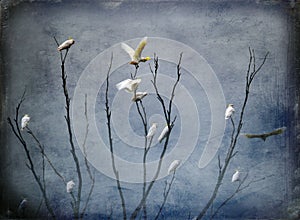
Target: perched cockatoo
[[173, 166], [24, 121], [236, 176], [66, 45], [152, 131], [23, 205], [130, 85], [70, 186], [163, 134], [229, 111], [135, 55], [138, 96]]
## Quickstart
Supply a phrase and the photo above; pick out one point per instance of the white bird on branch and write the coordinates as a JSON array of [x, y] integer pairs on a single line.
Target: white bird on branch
[[70, 186], [229, 111], [135, 55], [236, 176], [23, 205], [137, 96], [24, 121], [163, 134], [152, 131], [130, 85], [173, 166], [66, 45]]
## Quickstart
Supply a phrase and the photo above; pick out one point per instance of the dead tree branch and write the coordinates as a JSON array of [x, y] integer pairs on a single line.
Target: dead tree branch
[[250, 75], [108, 117], [168, 115], [68, 121], [165, 194], [17, 132]]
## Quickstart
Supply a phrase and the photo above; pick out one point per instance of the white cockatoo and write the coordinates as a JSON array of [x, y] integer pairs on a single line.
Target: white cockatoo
[[24, 121], [236, 176], [137, 96], [152, 131], [173, 166], [135, 55], [66, 45], [130, 85], [163, 134], [229, 111], [70, 186], [23, 205]]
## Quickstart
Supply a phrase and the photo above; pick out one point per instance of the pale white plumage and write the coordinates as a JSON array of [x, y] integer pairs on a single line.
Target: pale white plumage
[[163, 134], [173, 166], [152, 130], [66, 45], [70, 186], [236, 176], [130, 85], [138, 96], [229, 111], [24, 121], [135, 55]]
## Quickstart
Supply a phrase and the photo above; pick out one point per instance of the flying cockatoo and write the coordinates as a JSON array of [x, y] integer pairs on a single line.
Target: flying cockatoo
[[163, 134], [173, 166], [229, 111], [138, 96], [66, 45], [236, 176], [264, 136], [70, 186], [130, 85], [152, 131], [135, 55], [24, 121]]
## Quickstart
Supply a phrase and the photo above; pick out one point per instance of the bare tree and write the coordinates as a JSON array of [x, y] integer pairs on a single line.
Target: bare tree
[[250, 75]]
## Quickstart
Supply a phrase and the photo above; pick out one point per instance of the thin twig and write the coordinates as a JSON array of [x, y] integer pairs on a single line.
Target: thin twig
[[165, 194], [108, 116], [91, 176]]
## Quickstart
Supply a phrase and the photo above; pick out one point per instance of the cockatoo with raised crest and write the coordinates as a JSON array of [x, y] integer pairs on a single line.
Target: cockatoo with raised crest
[[135, 55]]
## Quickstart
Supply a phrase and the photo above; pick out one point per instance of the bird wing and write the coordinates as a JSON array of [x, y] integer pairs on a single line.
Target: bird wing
[[140, 48], [265, 135], [276, 131], [128, 50], [124, 84], [133, 84]]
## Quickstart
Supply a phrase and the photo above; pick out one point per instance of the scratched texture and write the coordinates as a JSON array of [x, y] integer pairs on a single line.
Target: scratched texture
[[221, 32]]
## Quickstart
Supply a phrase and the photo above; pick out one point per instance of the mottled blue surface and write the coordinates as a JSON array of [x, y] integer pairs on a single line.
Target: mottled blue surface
[[220, 31]]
